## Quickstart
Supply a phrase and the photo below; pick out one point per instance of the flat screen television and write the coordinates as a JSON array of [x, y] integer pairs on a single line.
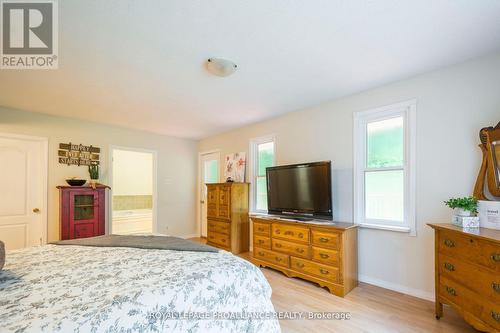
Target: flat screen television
[[300, 190]]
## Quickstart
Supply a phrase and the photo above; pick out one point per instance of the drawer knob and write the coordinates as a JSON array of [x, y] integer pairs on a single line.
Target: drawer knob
[[324, 255], [261, 254], [300, 265], [323, 271], [323, 239], [223, 240], [495, 315], [449, 266], [289, 233], [451, 291], [261, 241], [301, 235], [495, 257], [299, 250], [495, 286], [449, 243], [278, 259], [278, 231], [261, 229], [278, 245]]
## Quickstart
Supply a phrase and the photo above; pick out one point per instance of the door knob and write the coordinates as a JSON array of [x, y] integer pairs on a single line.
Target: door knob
[[36, 210]]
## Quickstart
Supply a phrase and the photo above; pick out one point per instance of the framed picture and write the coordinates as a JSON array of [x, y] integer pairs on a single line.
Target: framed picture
[[234, 166]]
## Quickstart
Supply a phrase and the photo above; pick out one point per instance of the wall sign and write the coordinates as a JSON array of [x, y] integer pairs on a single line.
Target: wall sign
[[78, 154]]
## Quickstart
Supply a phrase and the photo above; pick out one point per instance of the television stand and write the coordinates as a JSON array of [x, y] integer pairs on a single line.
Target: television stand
[[301, 219], [321, 253]]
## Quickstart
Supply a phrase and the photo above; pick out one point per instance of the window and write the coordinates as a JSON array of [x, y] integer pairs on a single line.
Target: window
[[262, 155], [384, 171]]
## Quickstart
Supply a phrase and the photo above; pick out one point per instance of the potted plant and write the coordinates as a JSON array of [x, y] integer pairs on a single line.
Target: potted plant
[[94, 174], [466, 206]]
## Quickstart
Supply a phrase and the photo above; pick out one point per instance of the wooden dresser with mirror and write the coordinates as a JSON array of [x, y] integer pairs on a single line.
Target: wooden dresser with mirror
[[490, 166], [227, 216], [322, 253], [467, 268]]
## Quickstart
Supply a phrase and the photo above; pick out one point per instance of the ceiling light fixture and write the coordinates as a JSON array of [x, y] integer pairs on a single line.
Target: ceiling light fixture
[[221, 67]]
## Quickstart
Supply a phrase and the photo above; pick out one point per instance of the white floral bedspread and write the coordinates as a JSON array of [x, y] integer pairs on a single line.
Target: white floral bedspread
[[97, 289]]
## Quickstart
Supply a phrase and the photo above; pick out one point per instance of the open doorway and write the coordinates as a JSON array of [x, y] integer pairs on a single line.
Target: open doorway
[[133, 184], [209, 173]]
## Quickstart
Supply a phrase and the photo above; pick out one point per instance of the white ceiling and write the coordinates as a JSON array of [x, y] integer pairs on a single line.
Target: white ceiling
[[139, 64]]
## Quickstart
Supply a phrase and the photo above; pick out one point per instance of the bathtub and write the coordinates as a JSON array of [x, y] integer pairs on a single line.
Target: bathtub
[[132, 221]]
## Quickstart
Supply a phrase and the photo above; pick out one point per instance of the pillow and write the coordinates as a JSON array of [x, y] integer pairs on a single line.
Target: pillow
[[2, 255]]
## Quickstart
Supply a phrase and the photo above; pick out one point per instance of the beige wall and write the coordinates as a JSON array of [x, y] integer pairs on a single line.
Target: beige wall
[[453, 104], [132, 173], [177, 161]]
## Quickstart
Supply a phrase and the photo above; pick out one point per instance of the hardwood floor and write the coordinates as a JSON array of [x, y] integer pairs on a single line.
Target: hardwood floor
[[373, 309]]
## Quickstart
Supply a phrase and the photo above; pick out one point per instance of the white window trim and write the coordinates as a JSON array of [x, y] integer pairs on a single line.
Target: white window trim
[[408, 111], [253, 167]]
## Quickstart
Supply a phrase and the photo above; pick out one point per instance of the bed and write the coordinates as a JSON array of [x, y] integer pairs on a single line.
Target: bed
[[56, 288]]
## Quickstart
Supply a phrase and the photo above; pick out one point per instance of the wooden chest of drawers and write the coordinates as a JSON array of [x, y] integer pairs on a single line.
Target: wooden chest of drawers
[[227, 216], [468, 274], [325, 254]]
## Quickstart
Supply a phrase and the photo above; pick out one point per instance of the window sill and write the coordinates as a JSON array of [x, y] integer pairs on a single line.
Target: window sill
[[257, 213], [385, 227]]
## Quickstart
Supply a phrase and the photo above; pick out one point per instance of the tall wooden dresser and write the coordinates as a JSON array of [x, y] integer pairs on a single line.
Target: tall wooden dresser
[[468, 274], [227, 216], [322, 253]]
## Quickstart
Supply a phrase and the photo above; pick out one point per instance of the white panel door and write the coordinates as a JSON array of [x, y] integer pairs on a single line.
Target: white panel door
[[22, 182], [209, 174]]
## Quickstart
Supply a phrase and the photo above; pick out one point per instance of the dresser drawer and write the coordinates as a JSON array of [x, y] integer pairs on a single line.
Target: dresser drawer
[[261, 241], [321, 271], [263, 229], [290, 232], [326, 239], [452, 291], [477, 279], [219, 227], [272, 257], [473, 303], [295, 249], [325, 256], [219, 239], [491, 314], [471, 248]]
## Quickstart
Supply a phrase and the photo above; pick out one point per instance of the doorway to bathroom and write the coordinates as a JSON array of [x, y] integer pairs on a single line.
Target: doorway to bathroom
[[133, 191]]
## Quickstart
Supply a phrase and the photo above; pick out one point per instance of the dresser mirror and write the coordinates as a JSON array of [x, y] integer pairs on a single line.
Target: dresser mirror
[[495, 147], [490, 166]]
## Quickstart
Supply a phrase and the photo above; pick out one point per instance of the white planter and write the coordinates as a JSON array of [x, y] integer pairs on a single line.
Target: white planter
[[462, 212], [489, 214]]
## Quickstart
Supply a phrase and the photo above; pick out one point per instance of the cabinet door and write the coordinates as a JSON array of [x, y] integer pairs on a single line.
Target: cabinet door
[[83, 209], [224, 208], [212, 200]]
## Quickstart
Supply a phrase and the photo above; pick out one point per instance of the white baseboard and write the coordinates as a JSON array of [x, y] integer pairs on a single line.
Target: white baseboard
[[397, 287], [189, 236]]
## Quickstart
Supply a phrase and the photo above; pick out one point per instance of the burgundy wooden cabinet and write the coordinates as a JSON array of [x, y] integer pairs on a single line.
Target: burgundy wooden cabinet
[[82, 211]]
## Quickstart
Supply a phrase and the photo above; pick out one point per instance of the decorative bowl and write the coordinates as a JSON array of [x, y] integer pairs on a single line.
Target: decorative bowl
[[76, 182]]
